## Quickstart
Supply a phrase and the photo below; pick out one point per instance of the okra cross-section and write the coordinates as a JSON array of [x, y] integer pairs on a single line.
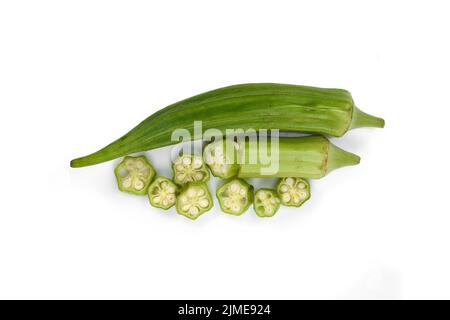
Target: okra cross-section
[[235, 196], [220, 156], [134, 174], [266, 202], [162, 193], [189, 168], [194, 200], [293, 191]]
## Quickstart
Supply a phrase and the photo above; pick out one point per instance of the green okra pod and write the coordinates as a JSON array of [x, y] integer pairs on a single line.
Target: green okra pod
[[254, 106], [305, 157]]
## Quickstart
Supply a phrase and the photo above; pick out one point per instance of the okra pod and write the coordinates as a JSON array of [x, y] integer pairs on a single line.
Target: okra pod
[[266, 202], [189, 168], [162, 193], [194, 200], [235, 196], [134, 175], [305, 157], [254, 106], [293, 192]]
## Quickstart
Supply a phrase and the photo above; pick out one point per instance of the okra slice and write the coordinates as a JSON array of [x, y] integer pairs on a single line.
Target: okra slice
[[134, 174], [266, 202], [293, 192], [189, 168], [220, 160], [194, 200], [162, 193], [235, 196]]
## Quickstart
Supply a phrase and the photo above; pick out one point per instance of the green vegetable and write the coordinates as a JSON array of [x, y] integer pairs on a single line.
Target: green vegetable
[[162, 193], [220, 160], [266, 202], [194, 200], [247, 106], [134, 174], [189, 168], [306, 157], [235, 196], [293, 192]]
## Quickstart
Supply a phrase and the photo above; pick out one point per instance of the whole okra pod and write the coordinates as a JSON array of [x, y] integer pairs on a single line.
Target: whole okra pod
[[246, 106]]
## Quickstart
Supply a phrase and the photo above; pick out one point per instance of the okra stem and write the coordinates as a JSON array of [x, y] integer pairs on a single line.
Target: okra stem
[[361, 119]]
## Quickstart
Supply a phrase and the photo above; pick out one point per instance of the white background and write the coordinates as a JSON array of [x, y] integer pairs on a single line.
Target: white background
[[75, 75]]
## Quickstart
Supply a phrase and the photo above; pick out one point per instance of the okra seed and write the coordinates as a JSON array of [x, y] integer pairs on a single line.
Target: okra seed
[[126, 182], [284, 188], [140, 164], [186, 207], [203, 203], [198, 176], [262, 195], [193, 210], [138, 184], [290, 181], [186, 161], [164, 184], [181, 176], [242, 192], [200, 192], [191, 193], [234, 187], [170, 189], [286, 197], [156, 199], [301, 185], [227, 203], [197, 163]]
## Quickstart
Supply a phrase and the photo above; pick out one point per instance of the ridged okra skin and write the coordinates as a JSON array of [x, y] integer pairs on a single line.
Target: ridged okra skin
[[266, 202], [194, 200], [134, 175], [235, 196], [246, 106], [304, 157]]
